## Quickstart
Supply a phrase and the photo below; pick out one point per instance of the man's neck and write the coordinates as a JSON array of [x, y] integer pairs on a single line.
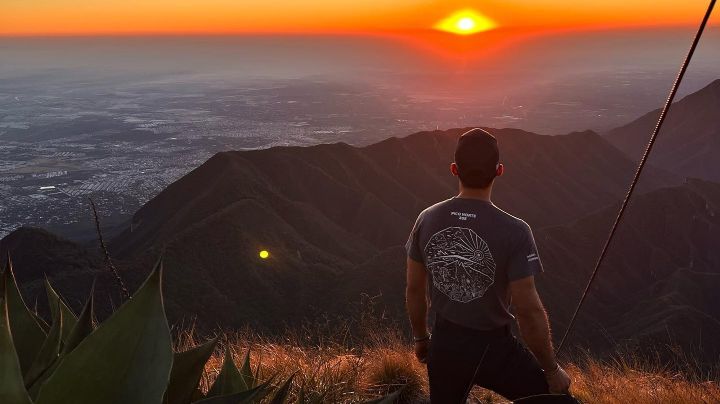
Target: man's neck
[[482, 194]]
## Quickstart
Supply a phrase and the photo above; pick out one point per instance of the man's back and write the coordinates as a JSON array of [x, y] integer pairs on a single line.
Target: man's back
[[472, 249], [474, 259]]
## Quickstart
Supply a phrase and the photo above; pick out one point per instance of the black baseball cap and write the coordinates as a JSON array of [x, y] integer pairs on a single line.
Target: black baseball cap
[[477, 156]]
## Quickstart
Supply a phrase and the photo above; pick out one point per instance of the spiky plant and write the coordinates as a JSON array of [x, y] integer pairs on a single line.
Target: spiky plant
[[126, 359]]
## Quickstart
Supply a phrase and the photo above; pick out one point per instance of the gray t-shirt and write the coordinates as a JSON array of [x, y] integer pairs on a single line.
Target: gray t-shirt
[[472, 250]]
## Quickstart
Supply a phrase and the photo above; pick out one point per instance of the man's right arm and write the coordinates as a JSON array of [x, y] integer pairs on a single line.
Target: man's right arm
[[416, 302], [535, 330]]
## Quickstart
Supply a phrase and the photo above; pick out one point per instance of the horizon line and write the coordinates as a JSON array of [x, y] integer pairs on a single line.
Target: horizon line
[[300, 33]]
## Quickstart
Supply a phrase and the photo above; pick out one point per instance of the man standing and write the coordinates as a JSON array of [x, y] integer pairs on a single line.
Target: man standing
[[475, 260]]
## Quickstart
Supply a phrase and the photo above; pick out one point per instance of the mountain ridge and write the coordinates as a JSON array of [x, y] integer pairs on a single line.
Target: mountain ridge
[[373, 178], [689, 143]]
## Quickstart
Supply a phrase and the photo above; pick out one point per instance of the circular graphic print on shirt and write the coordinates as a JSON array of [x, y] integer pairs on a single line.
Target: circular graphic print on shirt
[[461, 264]]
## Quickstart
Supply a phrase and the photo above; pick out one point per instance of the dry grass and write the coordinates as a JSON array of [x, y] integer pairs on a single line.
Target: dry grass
[[594, 382], [334, 373], [338, 373]]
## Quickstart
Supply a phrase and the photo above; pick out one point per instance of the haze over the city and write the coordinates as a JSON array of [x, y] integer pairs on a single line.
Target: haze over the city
[[112, 101]]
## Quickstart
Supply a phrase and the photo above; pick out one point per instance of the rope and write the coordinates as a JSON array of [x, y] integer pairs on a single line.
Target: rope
[[640, 168]]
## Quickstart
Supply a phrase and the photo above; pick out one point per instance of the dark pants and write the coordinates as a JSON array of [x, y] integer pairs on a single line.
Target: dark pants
[[460, 358]]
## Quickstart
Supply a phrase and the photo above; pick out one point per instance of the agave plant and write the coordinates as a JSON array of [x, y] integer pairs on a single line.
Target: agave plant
[[126, 359]]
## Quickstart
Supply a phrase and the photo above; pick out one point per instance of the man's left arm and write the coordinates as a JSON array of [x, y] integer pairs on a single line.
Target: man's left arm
[[416, 303], [535, 330]]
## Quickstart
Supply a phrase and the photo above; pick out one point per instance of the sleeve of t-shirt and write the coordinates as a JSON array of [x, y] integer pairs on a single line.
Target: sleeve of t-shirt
[[412, 247], [524, 258]]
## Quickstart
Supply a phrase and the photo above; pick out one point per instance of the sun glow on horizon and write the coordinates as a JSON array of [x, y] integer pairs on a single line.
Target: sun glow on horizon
[[466, 22], [226, 17]]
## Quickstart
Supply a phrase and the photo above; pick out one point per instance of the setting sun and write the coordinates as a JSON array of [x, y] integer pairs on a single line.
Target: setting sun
[[466, 22]]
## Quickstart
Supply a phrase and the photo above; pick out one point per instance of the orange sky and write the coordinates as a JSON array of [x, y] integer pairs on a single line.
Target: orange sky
[[31, 17]]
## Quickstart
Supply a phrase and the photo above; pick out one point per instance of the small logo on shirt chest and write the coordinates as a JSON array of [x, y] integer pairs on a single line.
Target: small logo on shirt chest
[[463, 215]]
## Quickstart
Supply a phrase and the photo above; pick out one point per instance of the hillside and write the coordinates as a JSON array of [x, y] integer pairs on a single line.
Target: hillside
[[334, 216], [70, 267], [659, 280], [368, 191], [689, 144]]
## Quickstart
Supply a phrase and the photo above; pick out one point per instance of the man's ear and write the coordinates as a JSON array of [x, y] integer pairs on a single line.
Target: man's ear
[[500, 170], [454, 169]]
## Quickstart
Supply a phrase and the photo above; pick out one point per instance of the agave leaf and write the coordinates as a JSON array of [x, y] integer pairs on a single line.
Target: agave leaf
[[127, 359], [34, 389], [283, 392], [49, 352], [256, 377], [248, 378], [38, 319], [27, 332], [229, 381], [186, 371], [83, 326], [197, 395], [56, 303], [389, 399], [244, 397], [12, 388]]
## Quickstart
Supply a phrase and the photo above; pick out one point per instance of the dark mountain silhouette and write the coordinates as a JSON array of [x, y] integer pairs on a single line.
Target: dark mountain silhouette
[[659, 279], [689, 144], [656, 290], [70, 267], [330, 213], [334, 218], [372, 193], [41, 253], [327, 212]]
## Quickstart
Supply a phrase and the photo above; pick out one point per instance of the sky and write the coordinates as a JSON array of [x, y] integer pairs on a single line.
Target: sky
[[97, 17]]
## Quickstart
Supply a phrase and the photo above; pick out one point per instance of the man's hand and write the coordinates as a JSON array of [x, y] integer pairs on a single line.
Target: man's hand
[[558, 380], [421, 350], [416, 300]]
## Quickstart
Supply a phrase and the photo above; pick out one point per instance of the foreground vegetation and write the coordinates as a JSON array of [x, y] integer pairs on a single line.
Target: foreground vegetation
[[130, 357], [341, 374]]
